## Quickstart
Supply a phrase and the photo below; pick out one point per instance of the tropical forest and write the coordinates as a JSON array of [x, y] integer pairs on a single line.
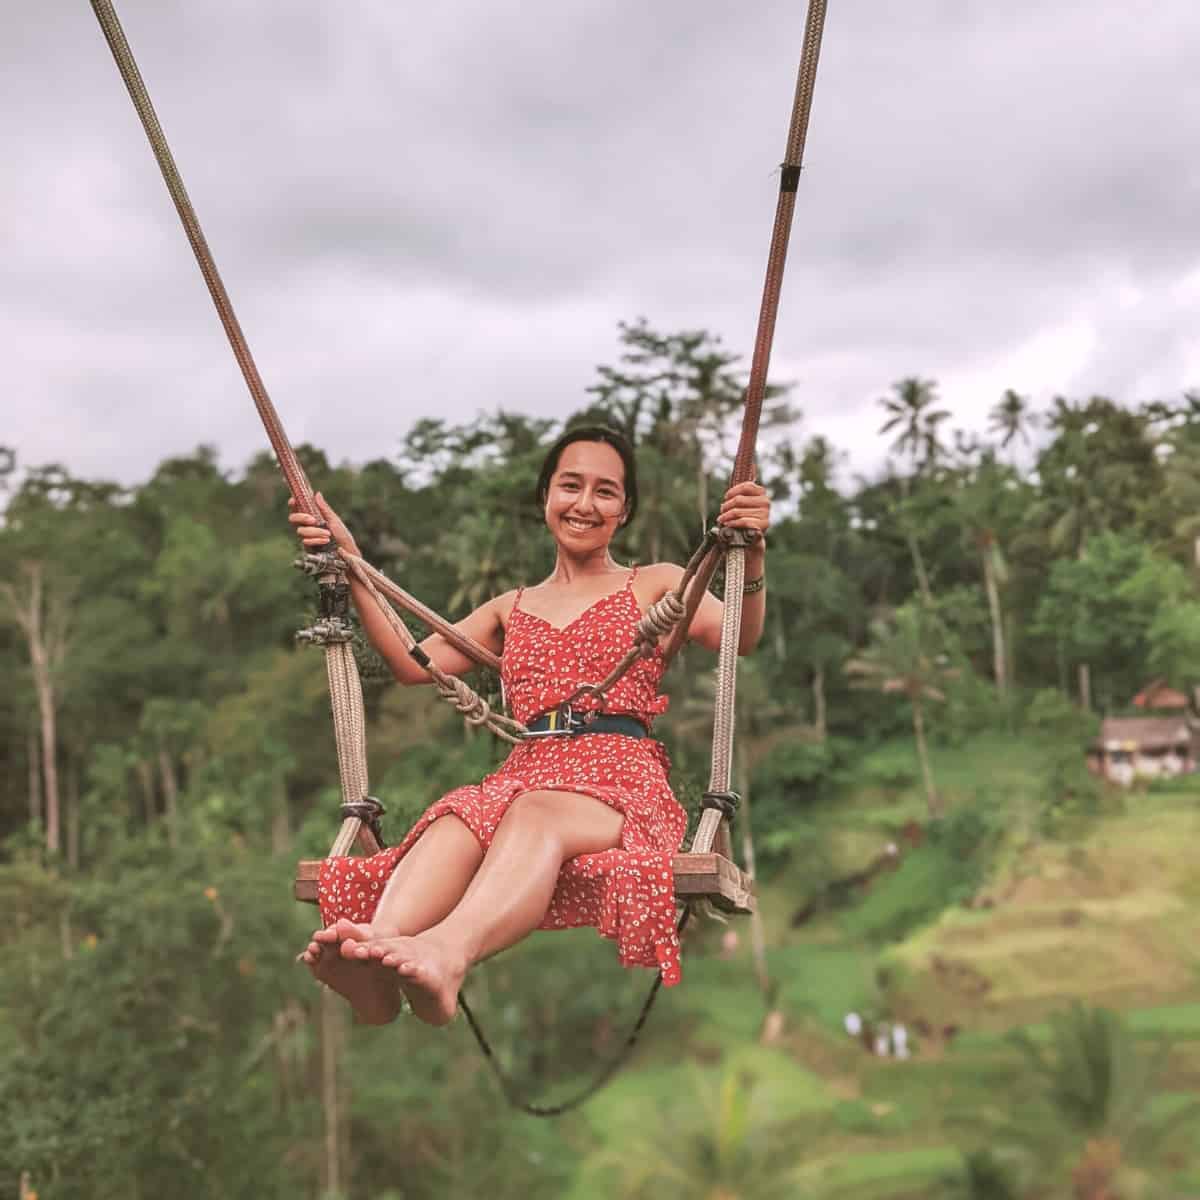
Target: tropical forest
[[974, 968]]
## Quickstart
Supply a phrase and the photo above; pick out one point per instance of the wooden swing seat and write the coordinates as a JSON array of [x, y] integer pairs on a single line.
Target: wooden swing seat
[[711, 877]]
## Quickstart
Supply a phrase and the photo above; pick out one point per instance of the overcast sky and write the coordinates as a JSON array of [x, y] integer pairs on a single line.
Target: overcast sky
[[433, 210]]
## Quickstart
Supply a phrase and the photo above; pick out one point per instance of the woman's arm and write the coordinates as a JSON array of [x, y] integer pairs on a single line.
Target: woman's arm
[[483, 625]]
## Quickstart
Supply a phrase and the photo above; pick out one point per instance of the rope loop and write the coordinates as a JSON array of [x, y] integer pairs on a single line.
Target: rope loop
[[474, 708], [368, 810], [726, 803]]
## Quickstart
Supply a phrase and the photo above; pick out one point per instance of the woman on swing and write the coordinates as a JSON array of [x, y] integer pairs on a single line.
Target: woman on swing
[[571, 830]]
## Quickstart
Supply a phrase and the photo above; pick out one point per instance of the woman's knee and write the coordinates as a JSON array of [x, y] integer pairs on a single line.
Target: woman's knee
[[536, 806], [451, 827], [580, 823]]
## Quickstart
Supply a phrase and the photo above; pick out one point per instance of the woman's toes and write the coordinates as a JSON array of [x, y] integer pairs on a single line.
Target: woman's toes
[[350, 931]]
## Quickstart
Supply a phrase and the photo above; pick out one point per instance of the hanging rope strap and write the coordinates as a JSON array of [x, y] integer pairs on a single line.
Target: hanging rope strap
[[474, 709], [410, 604], [294, 474], [789, 179], [289, 464]]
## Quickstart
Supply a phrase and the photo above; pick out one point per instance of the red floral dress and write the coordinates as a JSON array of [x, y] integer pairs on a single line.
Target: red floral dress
[[628, 892]]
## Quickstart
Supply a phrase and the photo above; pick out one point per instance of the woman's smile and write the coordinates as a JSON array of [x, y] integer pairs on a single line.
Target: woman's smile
[[579, 524]]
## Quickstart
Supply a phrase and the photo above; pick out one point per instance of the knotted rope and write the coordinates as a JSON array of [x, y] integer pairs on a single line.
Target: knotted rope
[[475, 710]]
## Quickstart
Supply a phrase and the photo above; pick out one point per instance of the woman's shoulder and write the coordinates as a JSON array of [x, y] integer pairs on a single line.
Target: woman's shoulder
[[654, 580], [502, 606]]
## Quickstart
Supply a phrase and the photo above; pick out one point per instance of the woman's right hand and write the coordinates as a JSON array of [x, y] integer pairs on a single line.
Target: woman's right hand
[[315, 531]]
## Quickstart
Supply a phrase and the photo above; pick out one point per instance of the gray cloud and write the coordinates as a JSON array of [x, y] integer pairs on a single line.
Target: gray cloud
[[436, 212]]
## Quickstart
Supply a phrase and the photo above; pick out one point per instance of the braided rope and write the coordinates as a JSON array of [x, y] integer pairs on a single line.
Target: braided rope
[[724, 713], [455, 636], [297, 481], [793, 160], [293, 473], [349, 721]]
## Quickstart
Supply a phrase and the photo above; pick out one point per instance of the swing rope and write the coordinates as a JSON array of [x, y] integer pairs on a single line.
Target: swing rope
[[670, 617]]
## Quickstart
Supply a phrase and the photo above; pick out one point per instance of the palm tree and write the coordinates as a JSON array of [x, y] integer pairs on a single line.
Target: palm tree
[[910, 411], [1011, 418], [900, 660], [986, 499], [1087, 1111], [726, 1144]]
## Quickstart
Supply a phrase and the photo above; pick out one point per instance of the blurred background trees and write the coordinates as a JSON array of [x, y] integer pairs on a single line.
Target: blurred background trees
[[168, 755]]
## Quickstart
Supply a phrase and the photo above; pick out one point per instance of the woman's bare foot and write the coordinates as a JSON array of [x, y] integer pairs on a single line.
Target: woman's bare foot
[[370, 988], [431, 973]]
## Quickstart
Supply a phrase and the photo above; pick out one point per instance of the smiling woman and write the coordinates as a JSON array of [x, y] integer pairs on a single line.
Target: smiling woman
[[579, 825]]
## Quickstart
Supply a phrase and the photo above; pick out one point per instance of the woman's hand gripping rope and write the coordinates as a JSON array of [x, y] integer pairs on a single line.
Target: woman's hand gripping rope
[[316, 536], [317, 532]]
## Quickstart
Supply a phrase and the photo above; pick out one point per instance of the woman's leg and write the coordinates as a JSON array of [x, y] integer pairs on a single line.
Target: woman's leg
[[506, 899], [426, 885]]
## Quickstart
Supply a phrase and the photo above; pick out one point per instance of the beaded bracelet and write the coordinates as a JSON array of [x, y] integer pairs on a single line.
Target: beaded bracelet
[[754, 585]]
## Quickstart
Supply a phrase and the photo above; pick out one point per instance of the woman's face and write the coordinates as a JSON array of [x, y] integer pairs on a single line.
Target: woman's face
[[585, 503]]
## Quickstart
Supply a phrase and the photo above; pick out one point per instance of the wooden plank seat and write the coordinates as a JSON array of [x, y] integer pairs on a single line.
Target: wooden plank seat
[[697, 876]]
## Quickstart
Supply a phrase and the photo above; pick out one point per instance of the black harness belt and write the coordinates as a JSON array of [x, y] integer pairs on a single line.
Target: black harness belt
[[570, 724]]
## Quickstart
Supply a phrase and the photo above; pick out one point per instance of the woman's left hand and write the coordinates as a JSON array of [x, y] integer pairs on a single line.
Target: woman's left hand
[[746, 506]]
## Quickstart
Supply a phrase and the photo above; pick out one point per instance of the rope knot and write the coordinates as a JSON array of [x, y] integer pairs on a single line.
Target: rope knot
[[324, 561], [474, 708], [730, 536], [660, 618]]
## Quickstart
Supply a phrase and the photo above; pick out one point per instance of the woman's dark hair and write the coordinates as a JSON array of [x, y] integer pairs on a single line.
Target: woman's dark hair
[[592, 433]]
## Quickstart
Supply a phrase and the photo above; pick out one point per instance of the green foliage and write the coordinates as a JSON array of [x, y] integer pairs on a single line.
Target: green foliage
[[1070, 792], [141, 1056], [146, 1028], [984, 1176], [719, 1139], [946, 870], [1088, 1086], [926, 882]]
